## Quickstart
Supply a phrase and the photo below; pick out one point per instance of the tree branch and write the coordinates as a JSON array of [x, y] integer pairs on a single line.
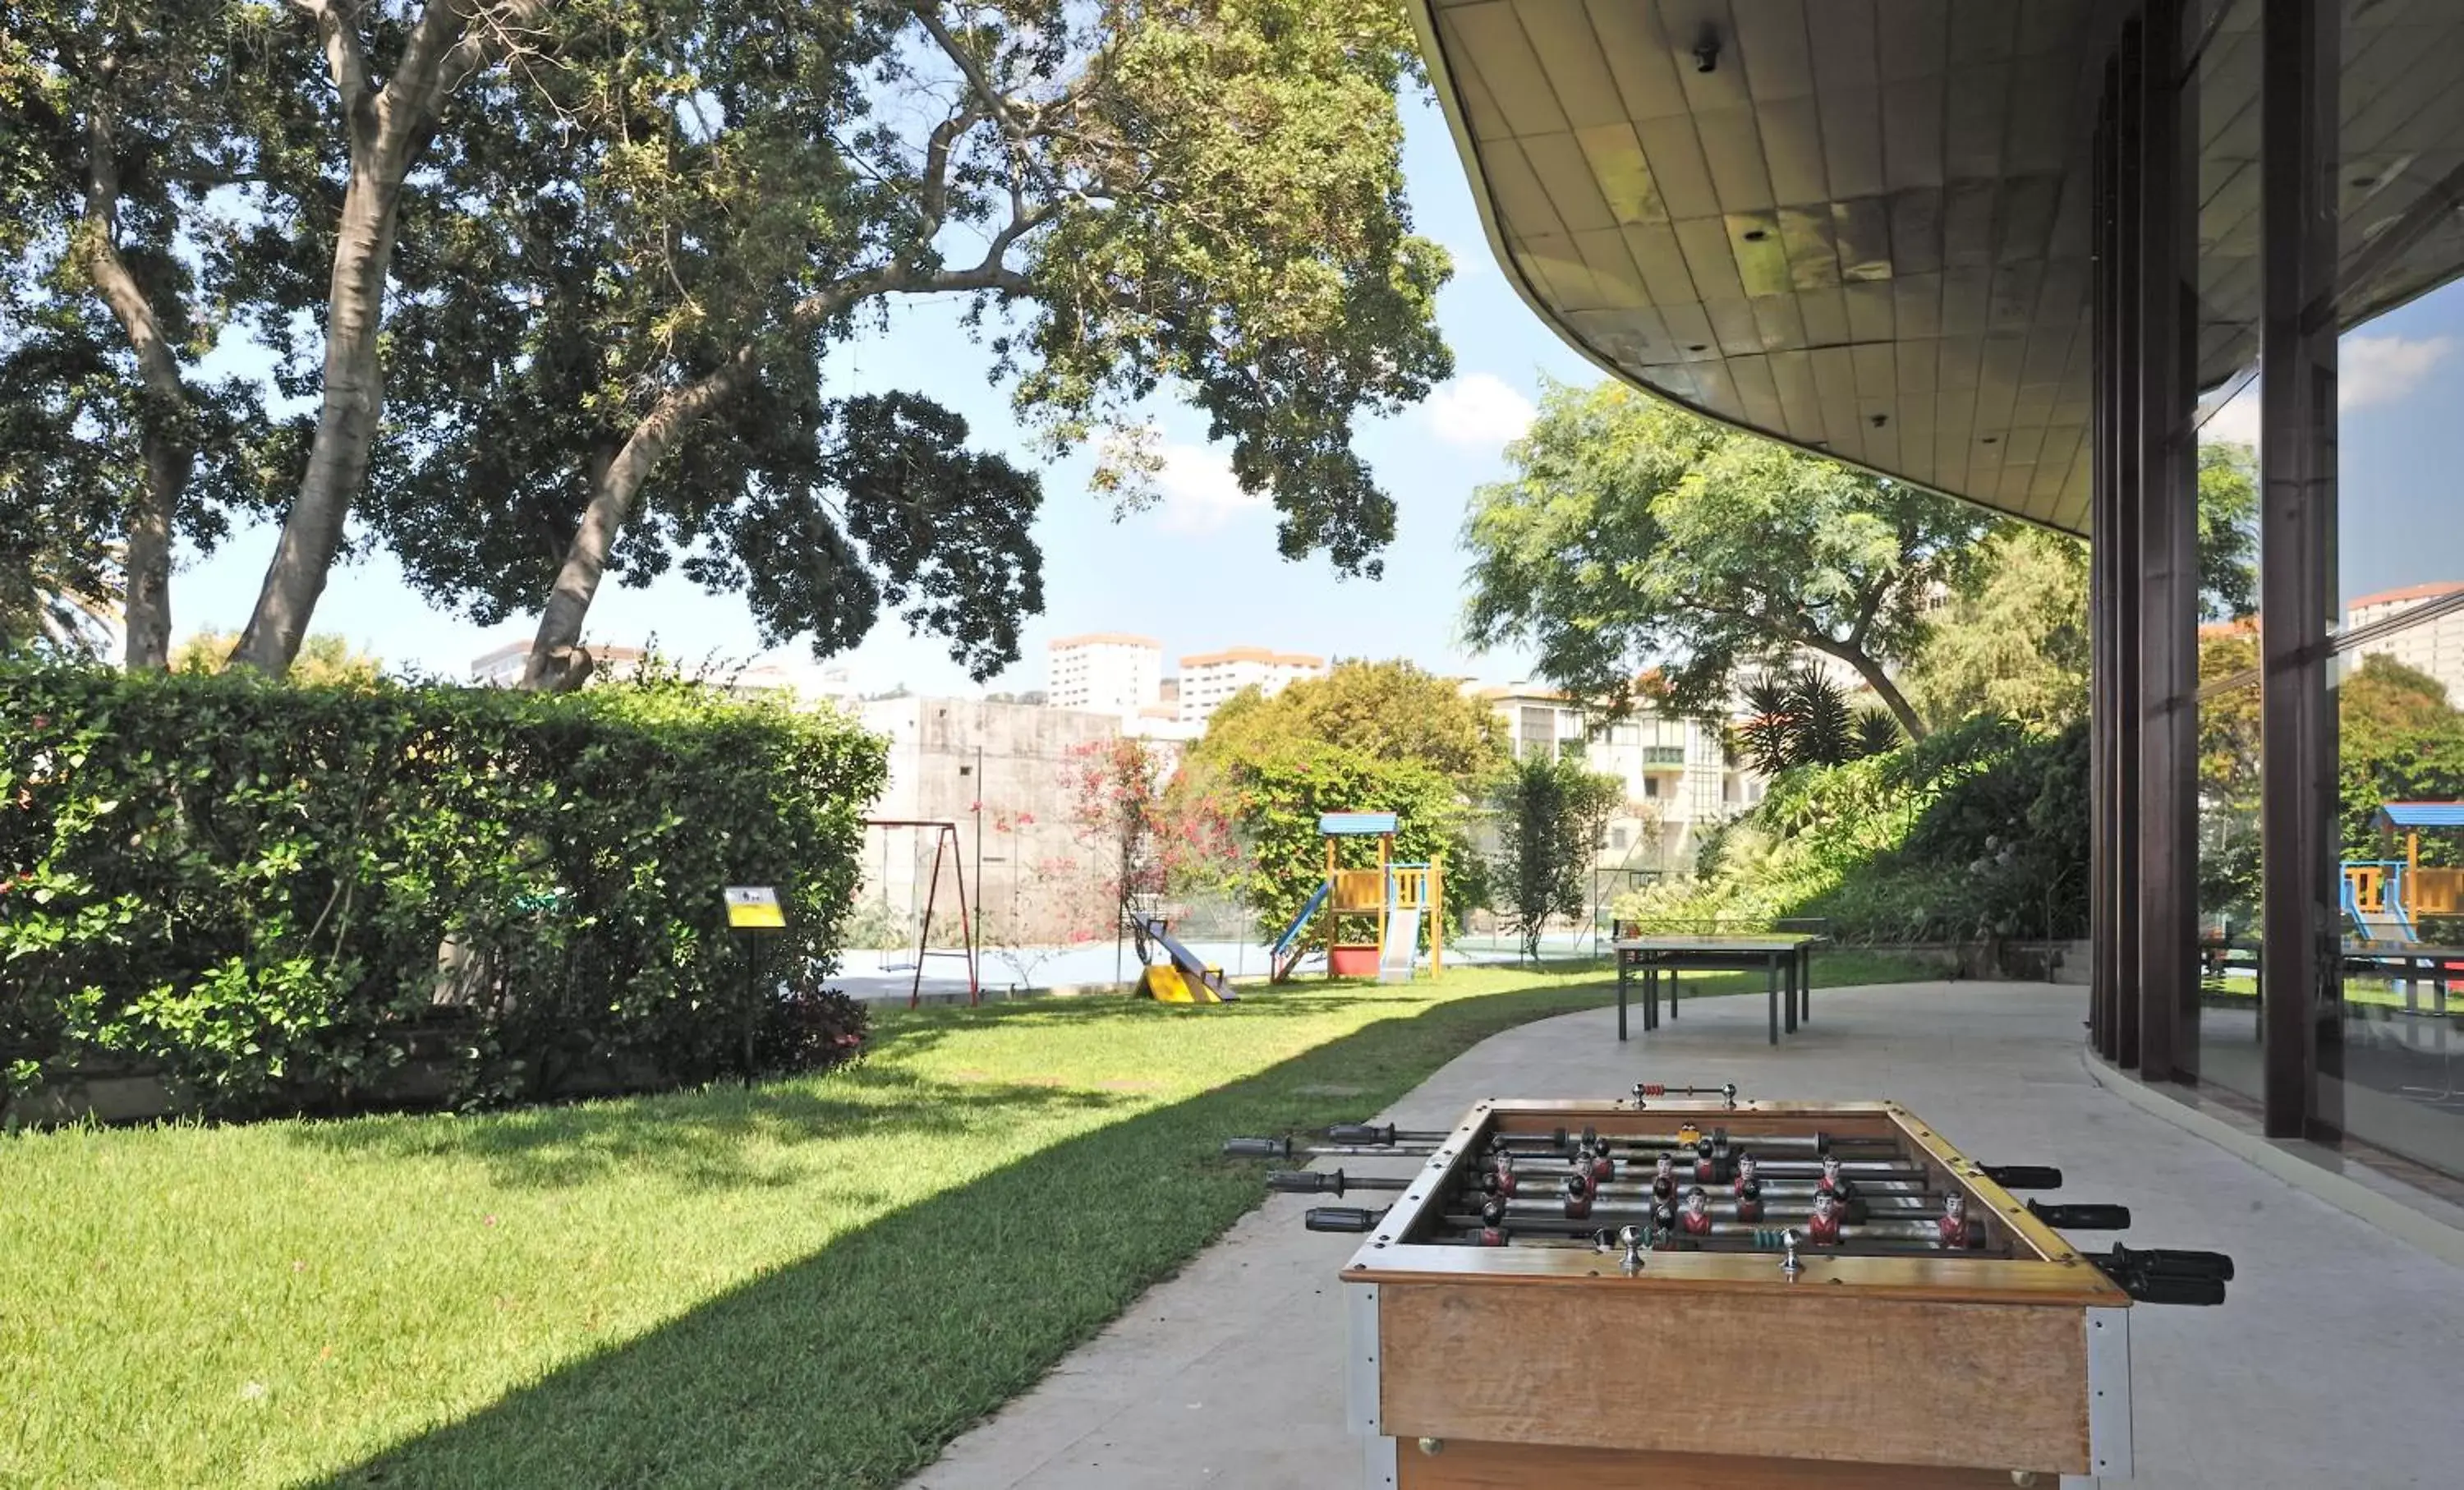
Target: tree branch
[[347, 61], [995, 102], [118, 289]]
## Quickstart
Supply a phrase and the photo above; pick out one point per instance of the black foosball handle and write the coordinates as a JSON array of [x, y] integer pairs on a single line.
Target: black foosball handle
[[1341, 1219], [1306, 1182], [2024, 1177], [2173, 1262], [1359, 1133], [2082, 1217], [1258, 1148], [2173, 1288]]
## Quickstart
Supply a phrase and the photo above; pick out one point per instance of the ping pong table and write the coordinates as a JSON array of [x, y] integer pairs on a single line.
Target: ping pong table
[[1786, 960]]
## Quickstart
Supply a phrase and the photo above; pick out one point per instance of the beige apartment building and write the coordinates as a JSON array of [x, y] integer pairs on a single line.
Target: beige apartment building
[[1210, 679]]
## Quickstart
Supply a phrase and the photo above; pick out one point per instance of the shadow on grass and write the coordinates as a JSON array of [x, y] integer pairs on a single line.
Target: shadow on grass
[[704, 1139], [855, 1365]]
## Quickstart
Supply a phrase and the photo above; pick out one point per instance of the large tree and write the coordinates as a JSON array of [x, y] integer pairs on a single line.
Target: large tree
[[1392, 710], [125, 121], [2014, 640], [1636, 535], [622, 285]]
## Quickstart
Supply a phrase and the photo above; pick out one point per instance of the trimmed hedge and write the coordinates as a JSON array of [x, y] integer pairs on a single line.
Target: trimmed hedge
[[243, 887]]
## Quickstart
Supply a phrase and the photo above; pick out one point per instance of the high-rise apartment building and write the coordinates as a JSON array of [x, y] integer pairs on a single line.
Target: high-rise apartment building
[[1209, 679], [2434, 646], [1679, 780], [1106, 672]]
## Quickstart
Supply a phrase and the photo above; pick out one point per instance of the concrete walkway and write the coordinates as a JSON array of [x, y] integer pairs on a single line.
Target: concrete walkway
[[2339, 1360]]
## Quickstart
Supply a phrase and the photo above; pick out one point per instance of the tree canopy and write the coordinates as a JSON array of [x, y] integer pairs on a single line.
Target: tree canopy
[[1636, 535], [564, 291], [1392, 710], [2013, 639]]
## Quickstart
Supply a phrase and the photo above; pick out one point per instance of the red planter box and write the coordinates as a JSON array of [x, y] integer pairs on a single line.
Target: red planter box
[[1352, 961]]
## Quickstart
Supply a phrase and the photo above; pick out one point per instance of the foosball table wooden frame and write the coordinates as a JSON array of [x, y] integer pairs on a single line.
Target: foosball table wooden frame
[[1486, 1368]]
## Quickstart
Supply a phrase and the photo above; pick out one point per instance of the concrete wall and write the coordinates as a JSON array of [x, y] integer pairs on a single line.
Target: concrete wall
[[1005, 774]]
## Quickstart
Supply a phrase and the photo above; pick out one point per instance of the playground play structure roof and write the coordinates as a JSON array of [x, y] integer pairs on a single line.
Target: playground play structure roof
[[2421, 815]]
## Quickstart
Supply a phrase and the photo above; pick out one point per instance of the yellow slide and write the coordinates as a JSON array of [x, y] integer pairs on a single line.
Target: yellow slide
[[1164, 984]]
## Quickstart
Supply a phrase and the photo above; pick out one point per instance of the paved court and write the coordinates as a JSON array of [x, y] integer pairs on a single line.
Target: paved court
[[1229, 1375]]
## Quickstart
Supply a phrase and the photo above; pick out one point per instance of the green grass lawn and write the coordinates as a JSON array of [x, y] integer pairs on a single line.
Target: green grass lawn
[[814, 1283]]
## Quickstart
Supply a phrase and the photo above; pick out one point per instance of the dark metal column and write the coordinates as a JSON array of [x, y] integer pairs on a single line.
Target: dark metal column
[[2123, 539], [2301, 933], [2105, 956], [2167, 556]]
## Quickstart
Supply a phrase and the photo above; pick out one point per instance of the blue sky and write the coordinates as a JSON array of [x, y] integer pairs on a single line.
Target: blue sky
[[1199, 571]]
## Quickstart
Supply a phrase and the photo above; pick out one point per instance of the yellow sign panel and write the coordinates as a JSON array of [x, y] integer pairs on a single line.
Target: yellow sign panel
[[755, 907]]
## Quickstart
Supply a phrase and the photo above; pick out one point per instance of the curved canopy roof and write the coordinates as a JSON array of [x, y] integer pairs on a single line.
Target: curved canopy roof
[[1864, 228]]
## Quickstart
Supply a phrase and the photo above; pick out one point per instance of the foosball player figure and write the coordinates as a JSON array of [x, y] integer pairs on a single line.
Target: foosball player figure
[[1954, 1230], [1750, 1190], [1823, 1229], [1852, 1205], [1664, 1226], [1706, 1163], [1503, 1174], [1578, 1196], [1603, 1162], [1663, 1180], [1492, 1224], [1695, 1220]]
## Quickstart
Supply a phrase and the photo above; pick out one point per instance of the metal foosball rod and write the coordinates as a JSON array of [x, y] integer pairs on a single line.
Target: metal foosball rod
[[1854, 1242], [1549, 1217]]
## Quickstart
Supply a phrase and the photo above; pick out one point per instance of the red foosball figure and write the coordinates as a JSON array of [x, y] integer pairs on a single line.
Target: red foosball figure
[[1503, 1174], [1832, 1181], [1750, 1190], [1695, 1220], [1663, 1179], [1706, 1164], [1492, 1224], [1746, 1167], [1952, 1228], [1603, 1165], [1578, 1198], [1664, 1226], [1823, 1228]]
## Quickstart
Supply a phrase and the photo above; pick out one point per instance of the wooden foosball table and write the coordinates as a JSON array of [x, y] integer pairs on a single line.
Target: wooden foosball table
[[1717, 1295]]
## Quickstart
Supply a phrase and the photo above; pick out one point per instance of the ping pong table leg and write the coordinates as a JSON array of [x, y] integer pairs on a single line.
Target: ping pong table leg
[[1783, 971], [1673, 970], [1771, 987], [1624, 972], [1805, 984]]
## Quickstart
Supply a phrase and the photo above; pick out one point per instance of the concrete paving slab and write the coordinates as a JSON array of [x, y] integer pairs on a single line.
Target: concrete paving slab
[[2335, 1363]]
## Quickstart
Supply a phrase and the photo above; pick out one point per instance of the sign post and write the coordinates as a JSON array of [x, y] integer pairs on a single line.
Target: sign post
[[754, 913]]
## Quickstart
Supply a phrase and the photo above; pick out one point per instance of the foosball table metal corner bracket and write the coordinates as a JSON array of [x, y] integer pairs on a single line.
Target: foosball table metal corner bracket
[[1360, 1369], [1377, 1470], [2109, 1387]]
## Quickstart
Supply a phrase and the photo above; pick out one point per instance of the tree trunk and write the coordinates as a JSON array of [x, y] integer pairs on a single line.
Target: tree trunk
[[1880, 681], [148, 604], [162, 407], [556, 663], [347, 425]]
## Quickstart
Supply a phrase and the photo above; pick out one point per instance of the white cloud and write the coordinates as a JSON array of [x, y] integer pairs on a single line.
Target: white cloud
[[2368, 370], [1478, 412], [1200, 495], [2383, 369]]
